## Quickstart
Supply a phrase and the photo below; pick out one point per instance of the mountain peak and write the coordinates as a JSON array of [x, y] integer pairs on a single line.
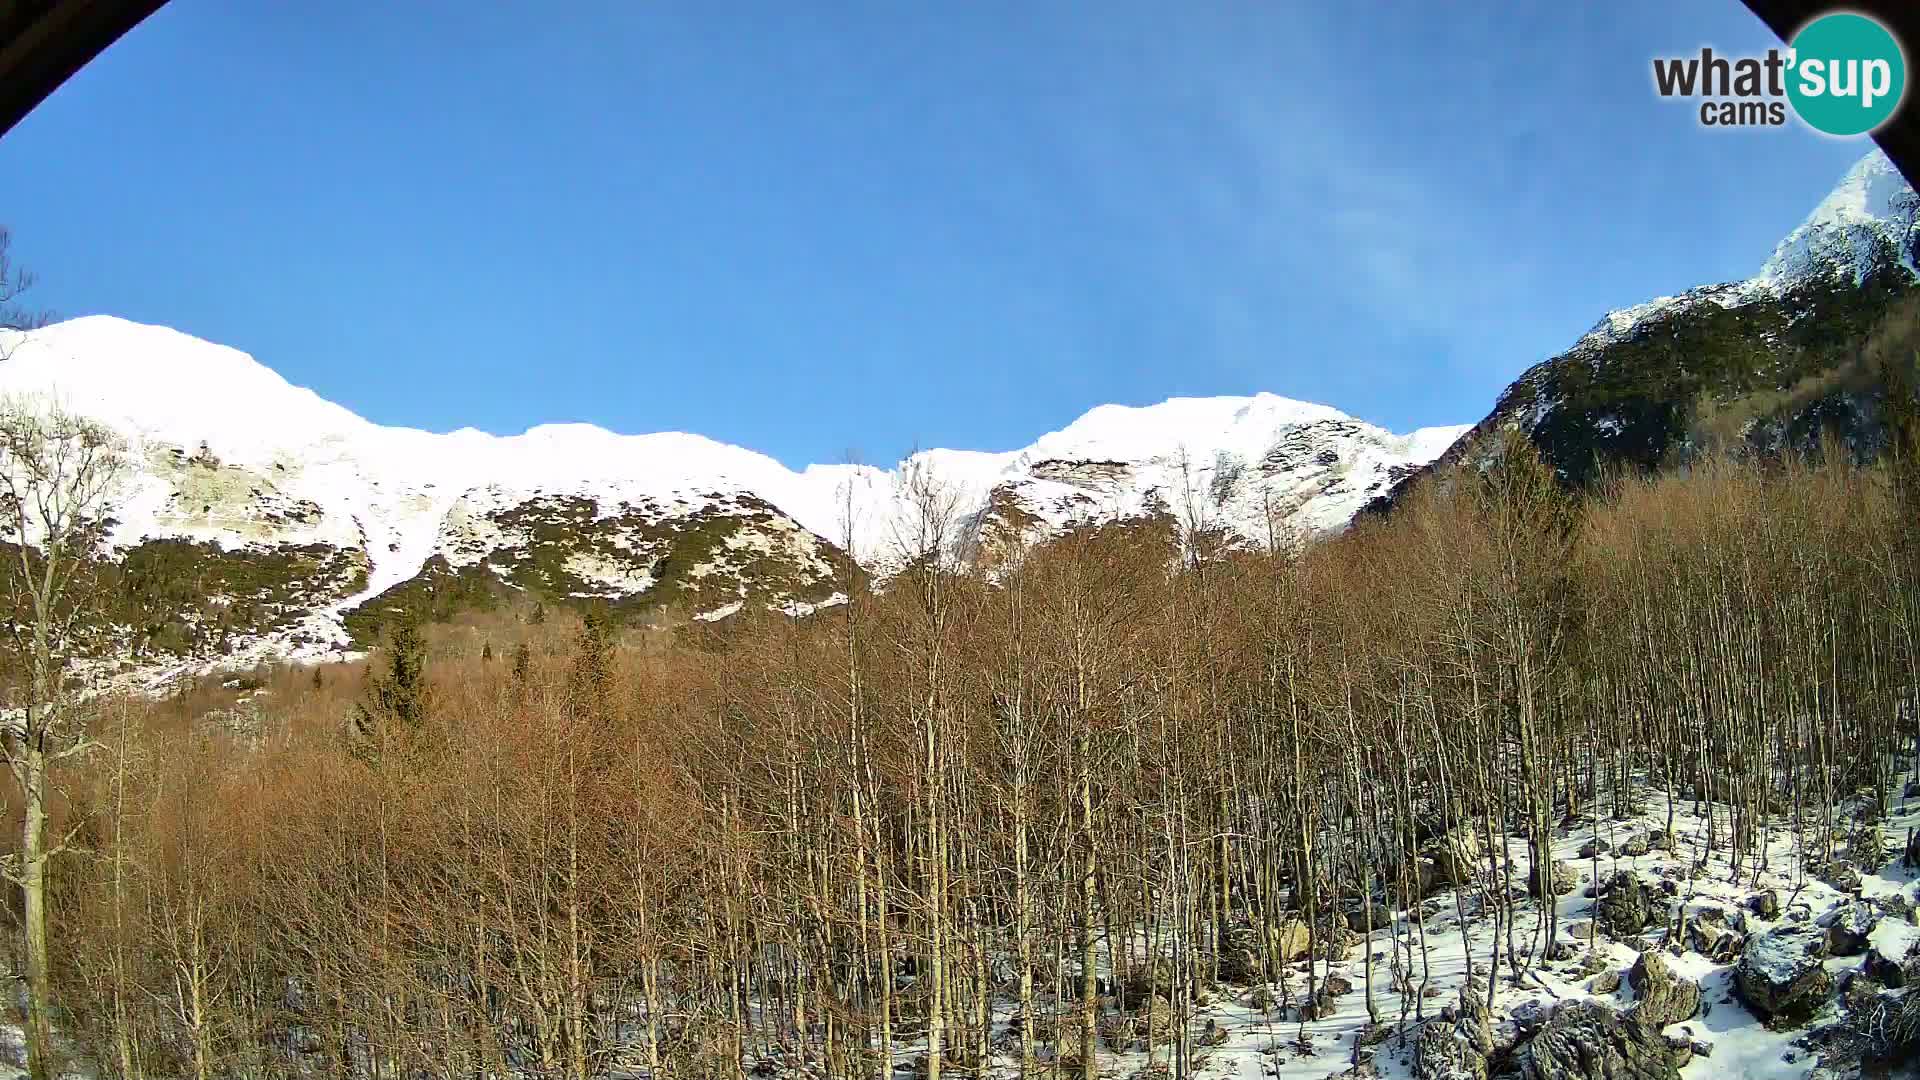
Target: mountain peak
[[1872, 204], [160, 384], [1866, 223]]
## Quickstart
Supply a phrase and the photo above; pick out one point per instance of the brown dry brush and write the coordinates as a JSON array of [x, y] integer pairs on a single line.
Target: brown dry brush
[[1132, 764]]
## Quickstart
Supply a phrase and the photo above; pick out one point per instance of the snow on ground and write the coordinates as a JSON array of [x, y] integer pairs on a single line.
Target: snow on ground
[[1266, 1044]]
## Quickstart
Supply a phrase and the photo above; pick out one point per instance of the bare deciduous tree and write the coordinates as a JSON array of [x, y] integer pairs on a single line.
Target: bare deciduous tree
[[14, 316], [58, 476]]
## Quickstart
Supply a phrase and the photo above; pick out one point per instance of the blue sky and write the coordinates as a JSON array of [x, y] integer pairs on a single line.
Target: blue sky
[[823, 229]]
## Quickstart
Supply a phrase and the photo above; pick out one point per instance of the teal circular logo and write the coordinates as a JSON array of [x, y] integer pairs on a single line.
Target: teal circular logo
[[1847, 74]]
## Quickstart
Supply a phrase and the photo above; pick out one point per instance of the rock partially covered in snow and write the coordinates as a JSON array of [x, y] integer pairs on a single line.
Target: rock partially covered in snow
[[1847, 928], [1626, 905], [1713, 935], [1780, 976], [1440, 1052], [1585, 1040], [1893, 953], [1666, 996]]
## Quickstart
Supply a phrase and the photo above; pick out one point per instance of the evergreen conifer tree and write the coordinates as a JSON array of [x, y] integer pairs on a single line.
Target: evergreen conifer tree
[[397, 696]]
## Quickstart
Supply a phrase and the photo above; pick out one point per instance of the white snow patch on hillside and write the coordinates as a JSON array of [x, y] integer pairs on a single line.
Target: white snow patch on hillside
[[406, 494]]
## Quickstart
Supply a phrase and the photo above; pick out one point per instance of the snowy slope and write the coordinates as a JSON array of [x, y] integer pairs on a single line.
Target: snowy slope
[[1871, 208], [230, 453]]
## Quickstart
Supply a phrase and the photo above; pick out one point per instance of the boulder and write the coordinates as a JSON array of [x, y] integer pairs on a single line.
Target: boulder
[[1625, 906], [1594, 848], [1840, 875], [1454, 856], [1585, 1040], [1780, 976], [1291, 940], [1883, 969], [1563, 879], [1765, 903], [1635, 845], [1337, 985], [1719, 944], [1358, 915], [1666, 996], [1442, 1052], [1848, 927]]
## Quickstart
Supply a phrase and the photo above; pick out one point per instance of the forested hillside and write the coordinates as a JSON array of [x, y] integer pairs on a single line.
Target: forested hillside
[[1412, 802]]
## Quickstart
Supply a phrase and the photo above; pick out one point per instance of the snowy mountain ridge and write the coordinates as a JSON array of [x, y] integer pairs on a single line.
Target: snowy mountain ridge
[[231, 455], [1869, 216], [1750, 365]]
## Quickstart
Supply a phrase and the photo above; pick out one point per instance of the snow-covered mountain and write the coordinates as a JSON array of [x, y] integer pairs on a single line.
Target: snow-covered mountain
[[1762, 363], [236, 465], [1864, 225]]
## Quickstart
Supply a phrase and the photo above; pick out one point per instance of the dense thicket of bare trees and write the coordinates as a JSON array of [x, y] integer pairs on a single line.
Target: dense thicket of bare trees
[[1122, 766]]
